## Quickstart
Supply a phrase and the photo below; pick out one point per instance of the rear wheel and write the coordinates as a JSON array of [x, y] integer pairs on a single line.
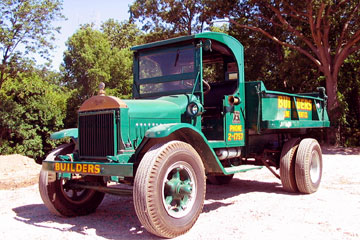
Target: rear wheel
[[169, 189], [308, 167], [287, 165], [61, 198]]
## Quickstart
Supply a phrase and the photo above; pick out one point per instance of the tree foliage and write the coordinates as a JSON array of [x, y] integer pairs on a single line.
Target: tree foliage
[[175, 16], [326, 32], [31, 107], [26, 27], [86, 61], [290, 45], [280, 68], [95, 56], [349, 97], [121, 34]]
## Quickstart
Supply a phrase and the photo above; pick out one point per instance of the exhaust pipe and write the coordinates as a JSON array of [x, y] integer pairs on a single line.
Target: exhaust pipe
[[226, 153]]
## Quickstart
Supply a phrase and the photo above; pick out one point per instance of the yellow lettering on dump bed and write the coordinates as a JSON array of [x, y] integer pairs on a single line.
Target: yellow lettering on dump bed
[[284, 102], [304, 104]]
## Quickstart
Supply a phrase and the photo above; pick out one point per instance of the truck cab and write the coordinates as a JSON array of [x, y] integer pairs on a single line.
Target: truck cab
[[209, 69], [193, 119]]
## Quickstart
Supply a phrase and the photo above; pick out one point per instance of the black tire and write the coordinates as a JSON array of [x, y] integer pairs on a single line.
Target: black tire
[[308, 167], [169, 189], [287, 165], [63, 200], [219, 179]]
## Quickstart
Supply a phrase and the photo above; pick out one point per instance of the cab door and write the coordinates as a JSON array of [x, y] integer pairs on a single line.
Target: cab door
[[234, 124]]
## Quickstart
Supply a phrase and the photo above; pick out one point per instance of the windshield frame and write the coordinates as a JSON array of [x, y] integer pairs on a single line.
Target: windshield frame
[[188, 76]]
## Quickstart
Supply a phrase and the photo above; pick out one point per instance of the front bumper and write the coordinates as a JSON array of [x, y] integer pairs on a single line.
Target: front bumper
[[90, 168]]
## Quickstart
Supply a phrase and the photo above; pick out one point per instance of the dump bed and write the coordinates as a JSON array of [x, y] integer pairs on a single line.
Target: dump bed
[[277, 110]]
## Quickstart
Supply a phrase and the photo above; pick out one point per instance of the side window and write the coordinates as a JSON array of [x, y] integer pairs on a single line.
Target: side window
[[220, 71], [213, 72]]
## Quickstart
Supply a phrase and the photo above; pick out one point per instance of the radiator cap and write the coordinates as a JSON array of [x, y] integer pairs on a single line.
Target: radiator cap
[[101, 89], [102, 102]]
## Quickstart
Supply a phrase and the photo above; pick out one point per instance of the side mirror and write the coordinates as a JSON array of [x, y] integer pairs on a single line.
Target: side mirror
[[207, 45]]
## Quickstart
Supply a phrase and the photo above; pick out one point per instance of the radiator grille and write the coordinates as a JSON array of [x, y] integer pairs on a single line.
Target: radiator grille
[[96, 134]]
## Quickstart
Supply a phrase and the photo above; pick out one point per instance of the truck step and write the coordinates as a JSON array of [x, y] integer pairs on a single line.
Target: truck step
[[241, 168]]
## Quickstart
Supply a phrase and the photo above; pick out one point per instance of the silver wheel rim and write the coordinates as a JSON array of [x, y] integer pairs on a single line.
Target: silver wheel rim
[[174, 206], [315, 166]]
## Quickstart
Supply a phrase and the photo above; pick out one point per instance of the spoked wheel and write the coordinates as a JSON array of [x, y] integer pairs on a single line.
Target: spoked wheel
[[287, 165], [169, 189], [308, 167], [61, 197], [179, 191]]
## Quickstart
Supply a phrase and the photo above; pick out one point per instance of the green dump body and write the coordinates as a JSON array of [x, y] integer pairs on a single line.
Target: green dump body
[[278, 110]]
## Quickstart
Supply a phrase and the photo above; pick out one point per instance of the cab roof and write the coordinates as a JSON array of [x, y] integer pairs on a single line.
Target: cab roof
[[230, 42], [227, 40]]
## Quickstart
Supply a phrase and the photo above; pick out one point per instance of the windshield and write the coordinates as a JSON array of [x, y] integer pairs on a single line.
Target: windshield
[[167, 71]]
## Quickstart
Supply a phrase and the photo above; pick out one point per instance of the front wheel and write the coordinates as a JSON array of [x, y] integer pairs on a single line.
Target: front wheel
[[169, 189], [61, 198]]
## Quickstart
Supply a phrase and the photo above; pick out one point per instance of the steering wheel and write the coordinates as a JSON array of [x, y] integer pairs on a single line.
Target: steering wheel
[[207, 85]]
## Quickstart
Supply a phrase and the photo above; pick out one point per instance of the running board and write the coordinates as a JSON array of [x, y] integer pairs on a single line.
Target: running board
[[110, 190], [241, 168]]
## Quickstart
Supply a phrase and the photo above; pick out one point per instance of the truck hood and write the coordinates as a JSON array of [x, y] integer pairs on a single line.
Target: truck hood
[[169, 107]]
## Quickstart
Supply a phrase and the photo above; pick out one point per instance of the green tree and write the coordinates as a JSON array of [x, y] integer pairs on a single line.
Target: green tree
[[93, 57], [175, 16], [31, 107], [279, 67], [326, 32], [121, 34], [349, 97], [26, 26], [86, 61]]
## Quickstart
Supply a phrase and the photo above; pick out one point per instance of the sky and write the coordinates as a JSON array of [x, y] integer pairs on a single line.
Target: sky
[[80, 12]]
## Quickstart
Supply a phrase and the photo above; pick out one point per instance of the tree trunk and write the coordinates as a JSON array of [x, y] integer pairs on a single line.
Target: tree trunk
[[334, 111], [2, 74]]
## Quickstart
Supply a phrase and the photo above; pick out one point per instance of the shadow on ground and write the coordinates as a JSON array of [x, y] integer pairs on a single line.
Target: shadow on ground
[[237, 187], [116, 218]]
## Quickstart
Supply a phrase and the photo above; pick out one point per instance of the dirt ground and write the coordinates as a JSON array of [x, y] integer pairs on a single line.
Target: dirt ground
[[252, 206], [18, 171]]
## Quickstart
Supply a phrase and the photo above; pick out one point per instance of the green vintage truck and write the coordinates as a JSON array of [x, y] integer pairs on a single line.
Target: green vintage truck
[[193, 119]]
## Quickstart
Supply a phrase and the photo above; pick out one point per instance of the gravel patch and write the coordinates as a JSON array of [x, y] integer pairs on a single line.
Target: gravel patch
[[252, 206]]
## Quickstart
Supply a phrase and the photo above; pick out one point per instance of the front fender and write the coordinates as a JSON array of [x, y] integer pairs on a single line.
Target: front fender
[[188, 133], [165, 130], [71, 132]]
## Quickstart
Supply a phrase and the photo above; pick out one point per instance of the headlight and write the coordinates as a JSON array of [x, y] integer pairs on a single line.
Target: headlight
[[194, 109]]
